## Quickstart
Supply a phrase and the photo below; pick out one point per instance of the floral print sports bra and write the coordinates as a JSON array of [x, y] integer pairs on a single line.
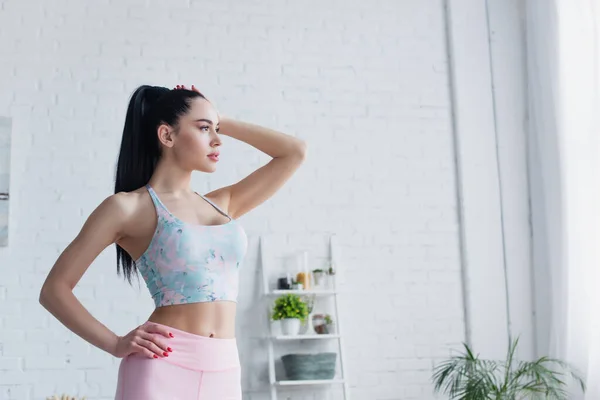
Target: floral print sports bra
[[190, 263]]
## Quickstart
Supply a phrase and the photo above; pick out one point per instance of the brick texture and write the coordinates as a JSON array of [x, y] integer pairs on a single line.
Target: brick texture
[[365, 85]]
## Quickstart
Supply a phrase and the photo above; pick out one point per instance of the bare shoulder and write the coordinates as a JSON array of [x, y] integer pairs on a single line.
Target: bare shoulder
[[128, 207], [106, 224], [127, 202], [116, 211], [121, 204]]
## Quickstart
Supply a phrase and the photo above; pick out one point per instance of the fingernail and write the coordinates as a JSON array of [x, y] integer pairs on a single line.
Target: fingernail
[[169, 349], [170, 334], [155, 356], [165, 354]]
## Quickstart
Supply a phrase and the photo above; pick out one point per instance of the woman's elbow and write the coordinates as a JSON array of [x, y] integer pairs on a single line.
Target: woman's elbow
[[45, 293], [48, 292]]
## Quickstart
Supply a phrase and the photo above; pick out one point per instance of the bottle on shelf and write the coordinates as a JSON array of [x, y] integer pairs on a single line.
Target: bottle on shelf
[[303, 276]]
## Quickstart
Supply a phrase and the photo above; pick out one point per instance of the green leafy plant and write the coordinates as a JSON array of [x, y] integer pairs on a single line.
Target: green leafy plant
[[331, 269], [328, 319], [290, 306], [317, 270], [467, 377]]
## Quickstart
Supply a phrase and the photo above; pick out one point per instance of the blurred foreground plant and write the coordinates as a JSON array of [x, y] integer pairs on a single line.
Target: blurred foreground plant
[[466, 377]]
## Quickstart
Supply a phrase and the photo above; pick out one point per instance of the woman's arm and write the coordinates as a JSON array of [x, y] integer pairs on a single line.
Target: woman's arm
[[269, 141], [102, 228], [105, 225], [288, 154]]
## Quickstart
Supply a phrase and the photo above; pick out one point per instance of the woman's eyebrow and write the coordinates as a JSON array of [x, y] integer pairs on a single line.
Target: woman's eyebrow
[[205, 120]]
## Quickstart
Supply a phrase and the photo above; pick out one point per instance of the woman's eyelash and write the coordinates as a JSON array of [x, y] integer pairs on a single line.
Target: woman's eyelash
[[206, 126]]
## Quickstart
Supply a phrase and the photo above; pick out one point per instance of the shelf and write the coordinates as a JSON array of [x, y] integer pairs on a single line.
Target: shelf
[[302, 337], [314, 382], [276, 341], [318, 292]]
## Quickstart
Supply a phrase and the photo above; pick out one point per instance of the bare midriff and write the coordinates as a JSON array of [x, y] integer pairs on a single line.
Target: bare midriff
[[211, 319]]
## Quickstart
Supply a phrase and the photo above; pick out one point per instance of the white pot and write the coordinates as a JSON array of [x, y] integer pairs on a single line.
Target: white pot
[[290, 326], [319, 278]]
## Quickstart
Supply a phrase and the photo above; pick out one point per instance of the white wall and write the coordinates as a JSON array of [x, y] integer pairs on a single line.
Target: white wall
[[507, 33], [486, 49], [367, 88]]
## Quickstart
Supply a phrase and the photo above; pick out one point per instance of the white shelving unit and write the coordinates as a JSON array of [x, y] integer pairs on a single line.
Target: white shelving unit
[[331, 293]]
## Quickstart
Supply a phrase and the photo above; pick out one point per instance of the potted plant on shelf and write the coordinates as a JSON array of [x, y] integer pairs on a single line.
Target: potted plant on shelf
[[331, 269], [466, 376], [291, 310], [296, 285], [323, 324], [318, 275], [329, 324]]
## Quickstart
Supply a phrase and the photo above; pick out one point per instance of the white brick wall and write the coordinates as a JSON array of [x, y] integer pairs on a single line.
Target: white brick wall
[[366, 87]]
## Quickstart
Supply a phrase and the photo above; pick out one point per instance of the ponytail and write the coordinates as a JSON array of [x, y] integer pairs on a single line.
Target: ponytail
[[149, 106]]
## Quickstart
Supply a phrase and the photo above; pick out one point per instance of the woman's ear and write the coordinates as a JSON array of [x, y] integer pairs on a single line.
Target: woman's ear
[[165, 135]]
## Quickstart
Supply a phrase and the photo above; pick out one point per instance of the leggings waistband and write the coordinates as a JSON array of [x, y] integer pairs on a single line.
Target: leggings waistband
[[200, 353]]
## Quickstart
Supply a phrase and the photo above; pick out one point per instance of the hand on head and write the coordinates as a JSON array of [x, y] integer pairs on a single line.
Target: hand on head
[[195, 89]]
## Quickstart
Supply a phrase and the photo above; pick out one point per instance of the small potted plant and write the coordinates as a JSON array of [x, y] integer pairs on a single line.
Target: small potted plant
[[291, 310], [318, 274], [322, 323], [329, 324], [331, 269], [296, 285]]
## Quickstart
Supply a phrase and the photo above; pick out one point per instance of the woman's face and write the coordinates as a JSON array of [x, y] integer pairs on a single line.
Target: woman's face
[[197, 137]]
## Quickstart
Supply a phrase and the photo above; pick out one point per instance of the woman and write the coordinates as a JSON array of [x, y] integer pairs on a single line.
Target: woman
[[187, 247]]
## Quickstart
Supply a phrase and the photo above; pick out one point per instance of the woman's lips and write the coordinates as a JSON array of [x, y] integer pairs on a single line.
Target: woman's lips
[[214, 157]]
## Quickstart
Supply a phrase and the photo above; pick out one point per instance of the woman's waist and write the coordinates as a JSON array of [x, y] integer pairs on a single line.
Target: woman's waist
[[198, 352], [209, 319]]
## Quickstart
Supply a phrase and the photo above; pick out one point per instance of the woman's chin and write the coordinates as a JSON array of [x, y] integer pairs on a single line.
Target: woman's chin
[[207, 168]]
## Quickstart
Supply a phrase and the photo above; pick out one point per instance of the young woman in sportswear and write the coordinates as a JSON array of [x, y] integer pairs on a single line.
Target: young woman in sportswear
[[187, 247]]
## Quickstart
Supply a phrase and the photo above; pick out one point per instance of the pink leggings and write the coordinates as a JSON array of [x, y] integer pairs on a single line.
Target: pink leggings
[[199, 368]]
